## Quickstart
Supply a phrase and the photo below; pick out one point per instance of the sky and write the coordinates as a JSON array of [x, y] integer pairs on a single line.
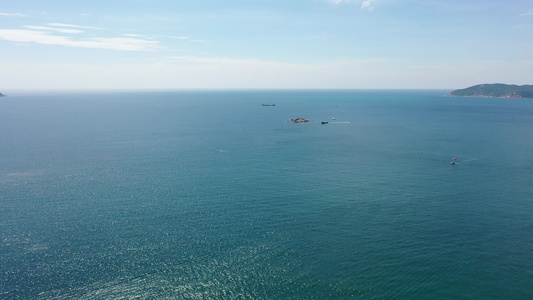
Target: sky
[[264, 44]]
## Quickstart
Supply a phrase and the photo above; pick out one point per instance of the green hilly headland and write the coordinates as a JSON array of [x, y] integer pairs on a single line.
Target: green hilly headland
[[495, 90]]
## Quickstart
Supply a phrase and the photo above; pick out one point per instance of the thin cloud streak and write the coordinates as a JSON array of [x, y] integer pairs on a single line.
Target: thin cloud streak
[[74, 26], [13, 15], [217, 60], [40, 37], [62, 30], [241, 62], [188, 38]]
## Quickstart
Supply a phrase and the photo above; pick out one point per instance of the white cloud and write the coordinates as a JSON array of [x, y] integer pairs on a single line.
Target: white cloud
[[12, 15], [368, 4], [62, 30], [45, 38]]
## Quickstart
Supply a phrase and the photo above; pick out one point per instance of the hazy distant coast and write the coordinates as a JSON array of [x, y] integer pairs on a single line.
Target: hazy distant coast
[[497, 90], [2, 95]]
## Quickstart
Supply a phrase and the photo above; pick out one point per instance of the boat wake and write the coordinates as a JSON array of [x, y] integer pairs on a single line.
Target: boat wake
[[468, 160]]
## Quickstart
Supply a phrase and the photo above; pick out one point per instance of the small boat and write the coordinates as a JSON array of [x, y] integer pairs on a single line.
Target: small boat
[[324, 122], [452, 163], [269, 104], [333, 118]]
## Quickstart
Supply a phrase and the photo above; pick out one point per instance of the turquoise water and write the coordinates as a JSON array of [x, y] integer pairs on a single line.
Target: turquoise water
[[200, 195]]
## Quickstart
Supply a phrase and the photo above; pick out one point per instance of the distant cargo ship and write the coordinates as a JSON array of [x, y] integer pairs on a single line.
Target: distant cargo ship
[[269, 104]]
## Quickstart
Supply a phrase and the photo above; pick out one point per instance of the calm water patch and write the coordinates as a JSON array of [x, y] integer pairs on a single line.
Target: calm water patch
[[212, 195]]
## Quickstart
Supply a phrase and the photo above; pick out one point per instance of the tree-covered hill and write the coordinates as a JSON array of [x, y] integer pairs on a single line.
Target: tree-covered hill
[[495, 90]]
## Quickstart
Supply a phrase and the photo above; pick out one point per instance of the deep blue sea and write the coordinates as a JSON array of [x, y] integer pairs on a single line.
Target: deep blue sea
[[210, 195]]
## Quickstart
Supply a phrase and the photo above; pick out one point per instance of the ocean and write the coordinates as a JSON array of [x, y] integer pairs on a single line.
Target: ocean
[[210, 195]]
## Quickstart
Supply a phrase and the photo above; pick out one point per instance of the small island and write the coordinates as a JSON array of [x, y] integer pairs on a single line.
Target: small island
[[497, 90], [299, 120], [2, 95]]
